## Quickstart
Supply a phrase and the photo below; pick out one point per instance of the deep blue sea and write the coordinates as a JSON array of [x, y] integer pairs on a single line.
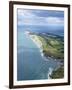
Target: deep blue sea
[[30, 64]]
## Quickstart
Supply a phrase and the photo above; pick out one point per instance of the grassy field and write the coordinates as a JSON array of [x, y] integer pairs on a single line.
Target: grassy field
[[52, 46]]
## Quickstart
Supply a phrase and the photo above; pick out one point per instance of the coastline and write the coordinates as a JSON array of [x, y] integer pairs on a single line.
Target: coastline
[[38, 43]]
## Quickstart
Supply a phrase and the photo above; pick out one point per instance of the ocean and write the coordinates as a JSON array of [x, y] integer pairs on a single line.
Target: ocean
[[30, 64], [43, 29]]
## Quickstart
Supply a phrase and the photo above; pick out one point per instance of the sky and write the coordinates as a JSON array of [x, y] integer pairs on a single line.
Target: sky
[[50, 18]]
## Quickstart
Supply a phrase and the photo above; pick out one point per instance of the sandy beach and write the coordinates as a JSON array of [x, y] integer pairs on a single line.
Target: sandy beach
[[35, 39]]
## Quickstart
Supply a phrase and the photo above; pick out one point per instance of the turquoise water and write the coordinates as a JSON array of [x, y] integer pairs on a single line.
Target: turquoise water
[[30, 64]]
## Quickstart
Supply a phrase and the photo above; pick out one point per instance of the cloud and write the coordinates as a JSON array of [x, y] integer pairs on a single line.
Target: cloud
[[28, 17], [25, 13], [55, 21]]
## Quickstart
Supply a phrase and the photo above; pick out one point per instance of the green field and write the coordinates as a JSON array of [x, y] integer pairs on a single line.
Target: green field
[[52, 47]]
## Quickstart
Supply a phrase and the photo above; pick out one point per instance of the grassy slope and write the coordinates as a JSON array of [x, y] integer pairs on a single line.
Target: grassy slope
[[59, 73]]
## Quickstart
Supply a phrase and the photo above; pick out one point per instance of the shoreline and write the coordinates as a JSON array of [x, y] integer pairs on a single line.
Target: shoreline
[[40, 48], [39, 45]]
